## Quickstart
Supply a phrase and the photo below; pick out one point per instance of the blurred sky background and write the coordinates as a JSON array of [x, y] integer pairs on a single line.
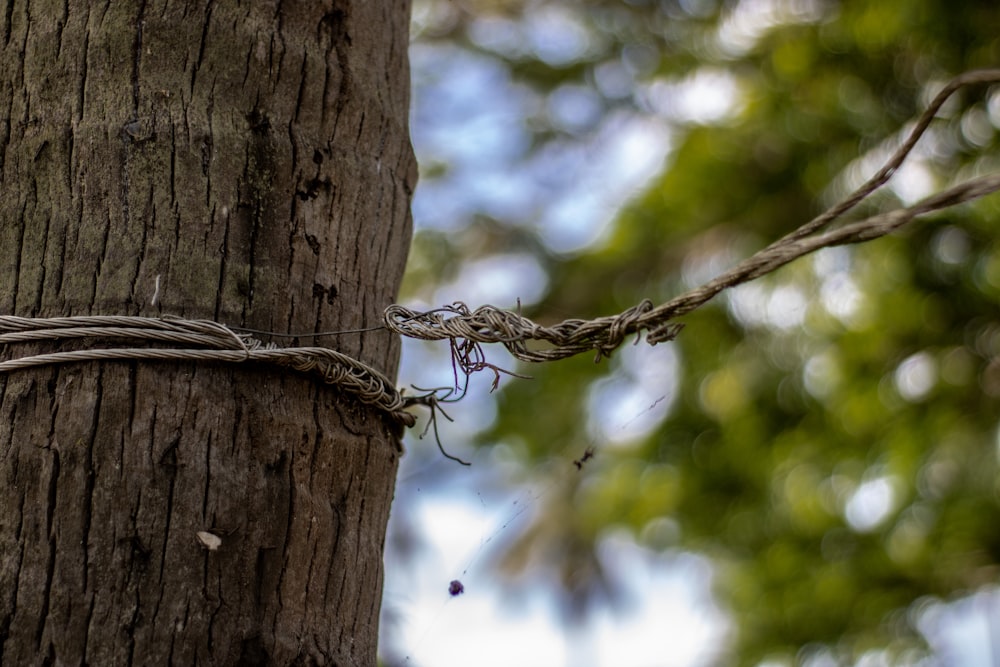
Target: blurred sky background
[[476, 127]]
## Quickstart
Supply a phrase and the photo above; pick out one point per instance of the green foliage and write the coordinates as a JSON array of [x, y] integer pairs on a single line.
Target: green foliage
[[885, 378]]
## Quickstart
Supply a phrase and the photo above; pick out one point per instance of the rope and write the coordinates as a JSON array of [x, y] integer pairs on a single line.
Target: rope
[[467, 330], [489, 324], [212, 342]]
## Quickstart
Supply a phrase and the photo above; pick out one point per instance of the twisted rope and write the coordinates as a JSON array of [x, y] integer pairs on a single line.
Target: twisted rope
[[489, 324], [212, 342], [467, 330]]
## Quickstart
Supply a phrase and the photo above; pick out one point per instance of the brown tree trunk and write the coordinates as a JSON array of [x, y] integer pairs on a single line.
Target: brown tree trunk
[[243, 162]]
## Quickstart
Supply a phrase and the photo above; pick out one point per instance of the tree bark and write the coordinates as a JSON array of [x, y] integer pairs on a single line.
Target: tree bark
[[243, 162]]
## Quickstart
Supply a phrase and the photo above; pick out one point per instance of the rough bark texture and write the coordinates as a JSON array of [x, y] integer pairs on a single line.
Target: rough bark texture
[[252, 159]]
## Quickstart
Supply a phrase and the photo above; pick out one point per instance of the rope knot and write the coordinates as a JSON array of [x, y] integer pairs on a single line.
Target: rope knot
[[620, 326]]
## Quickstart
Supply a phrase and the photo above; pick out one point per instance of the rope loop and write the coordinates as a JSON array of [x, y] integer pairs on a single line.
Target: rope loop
[[208, 341]]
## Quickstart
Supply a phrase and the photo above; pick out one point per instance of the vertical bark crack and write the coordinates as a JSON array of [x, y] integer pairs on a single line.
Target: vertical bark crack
[[208, 475], [51, 534], [81, 85], [8, 16], [206, 26], [137, 57], [91, 478]]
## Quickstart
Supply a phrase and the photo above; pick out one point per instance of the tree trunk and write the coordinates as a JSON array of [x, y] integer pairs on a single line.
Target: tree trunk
[[248, 164]]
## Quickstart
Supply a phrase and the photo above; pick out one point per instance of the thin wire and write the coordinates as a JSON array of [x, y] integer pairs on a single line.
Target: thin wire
[[275, 334]]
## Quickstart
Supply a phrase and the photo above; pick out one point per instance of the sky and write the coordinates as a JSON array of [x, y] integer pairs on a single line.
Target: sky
[[664, 619]]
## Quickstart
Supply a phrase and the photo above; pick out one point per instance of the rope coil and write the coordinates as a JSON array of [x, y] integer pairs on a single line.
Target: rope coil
[[213, 342]]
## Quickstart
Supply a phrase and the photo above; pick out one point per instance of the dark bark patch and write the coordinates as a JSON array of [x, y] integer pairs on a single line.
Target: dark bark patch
[[313, 244], [335, 22], [329, 294], [168, 459], [313, 187], [139, 555], [278, 466], [40, 150], [206, 154], [253, 653], [259, 122]]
